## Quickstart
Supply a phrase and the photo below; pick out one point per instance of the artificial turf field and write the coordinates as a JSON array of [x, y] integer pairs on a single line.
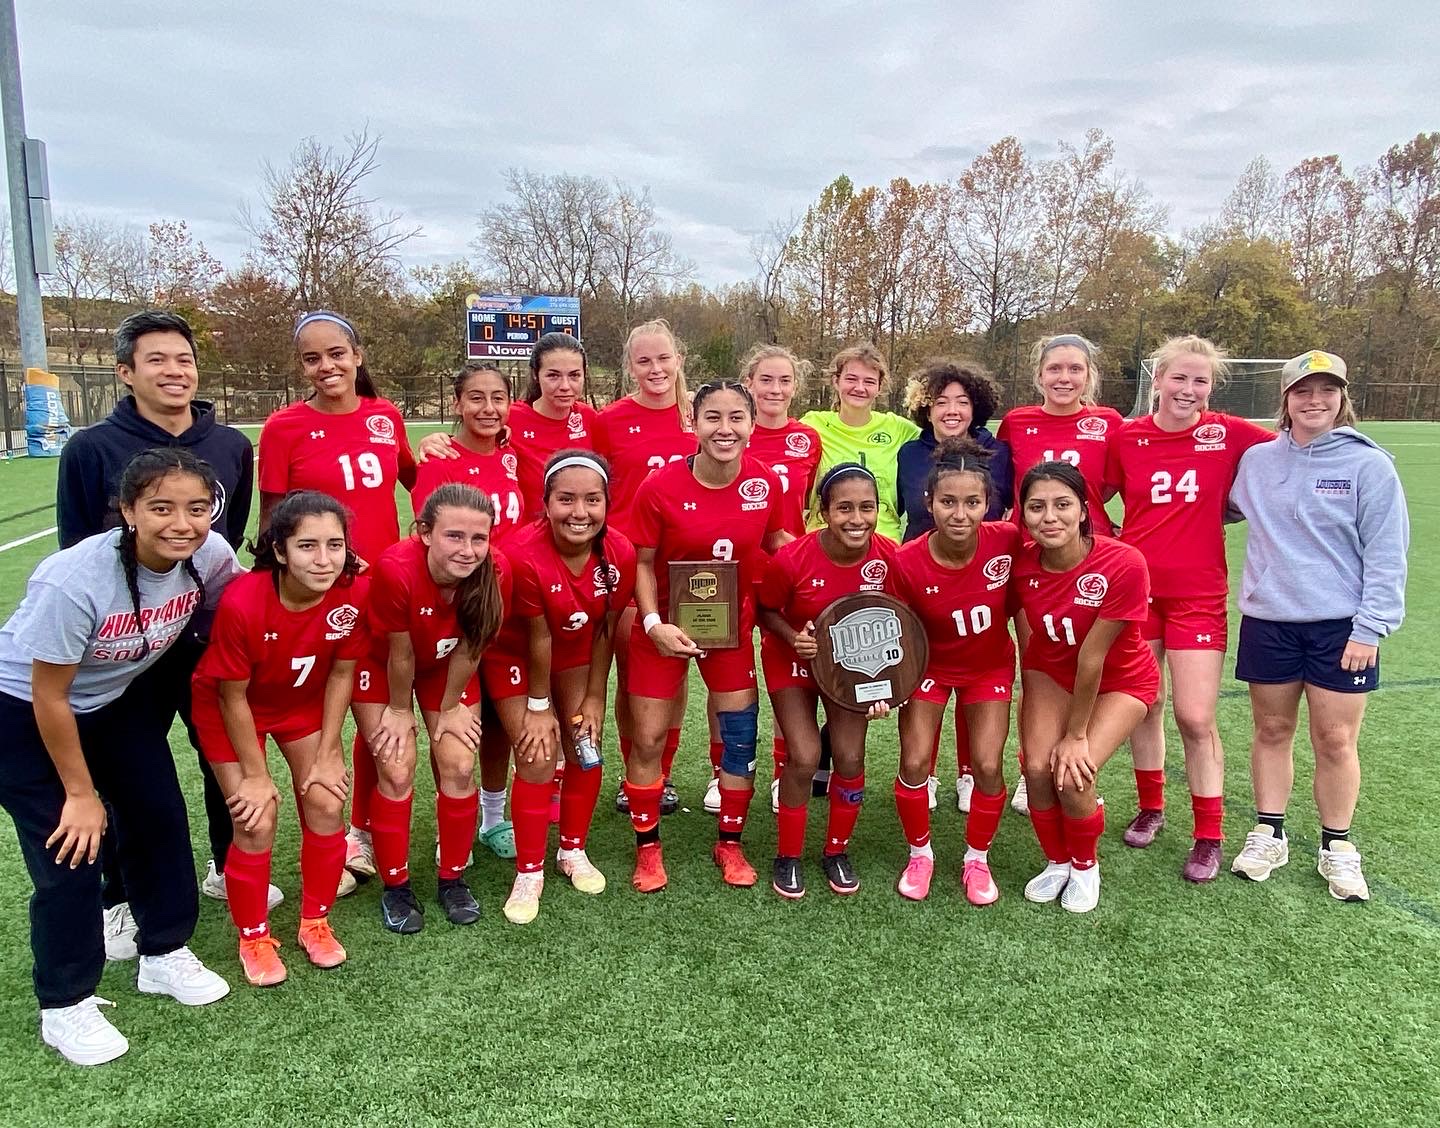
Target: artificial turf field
[[1227, 1004]]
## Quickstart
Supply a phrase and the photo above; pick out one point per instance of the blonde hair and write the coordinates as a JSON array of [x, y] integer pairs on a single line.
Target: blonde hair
[[761, 353], [659, 327], [867, 354], [1345, 417], [1091, 392], [1190, 344]]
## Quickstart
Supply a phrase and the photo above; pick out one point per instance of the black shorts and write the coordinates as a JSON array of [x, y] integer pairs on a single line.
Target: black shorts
[[1274, 653]]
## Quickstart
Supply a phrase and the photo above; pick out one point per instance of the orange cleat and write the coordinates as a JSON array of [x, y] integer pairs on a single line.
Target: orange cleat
[[650, 874], [259, 956], [319, 942], [734, 867]]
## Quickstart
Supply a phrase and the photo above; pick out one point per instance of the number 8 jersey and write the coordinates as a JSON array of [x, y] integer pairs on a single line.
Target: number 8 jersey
[[1061, 608]]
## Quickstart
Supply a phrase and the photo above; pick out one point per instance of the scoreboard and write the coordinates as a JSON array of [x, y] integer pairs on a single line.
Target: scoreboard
[[506, 326]]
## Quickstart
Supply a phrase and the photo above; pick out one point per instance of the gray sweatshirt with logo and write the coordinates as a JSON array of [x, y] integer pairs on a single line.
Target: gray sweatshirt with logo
[[1328, 533]]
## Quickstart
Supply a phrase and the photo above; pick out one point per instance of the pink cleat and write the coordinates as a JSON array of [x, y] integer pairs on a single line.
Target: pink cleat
[[980, 887], [915, 881]]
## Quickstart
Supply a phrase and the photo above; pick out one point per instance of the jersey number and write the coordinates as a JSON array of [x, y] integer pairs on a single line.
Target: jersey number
[[508, 511], [782, 471], [1163, 487], [444, 646], [303, 666], [657, 461], [367, 462], [1070, 456], [1067, 625], [723, 549], [980, 620]]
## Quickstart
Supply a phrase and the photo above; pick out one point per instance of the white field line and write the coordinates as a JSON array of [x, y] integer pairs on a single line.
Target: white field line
[[26, 540]]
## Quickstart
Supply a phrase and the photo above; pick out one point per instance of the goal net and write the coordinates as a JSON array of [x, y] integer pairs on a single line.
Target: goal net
[[1252, 390]]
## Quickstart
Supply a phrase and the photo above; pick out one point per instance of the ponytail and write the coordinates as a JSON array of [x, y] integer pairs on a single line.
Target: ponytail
[[364, 385], [478, 606]]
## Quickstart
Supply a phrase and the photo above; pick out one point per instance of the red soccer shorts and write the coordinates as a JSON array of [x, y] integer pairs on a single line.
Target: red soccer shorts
[[969, 689], [504, 674], [372, 687], [215, 743], [1187, 624], [784, 669], [725, 671]]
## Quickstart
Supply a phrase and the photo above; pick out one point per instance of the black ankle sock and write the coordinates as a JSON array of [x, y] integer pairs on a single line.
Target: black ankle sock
[[1276, 822], [646, 837], [729, 836], [1329, 835]]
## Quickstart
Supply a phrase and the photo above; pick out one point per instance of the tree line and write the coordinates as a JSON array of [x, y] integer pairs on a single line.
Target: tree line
[[982, 264]]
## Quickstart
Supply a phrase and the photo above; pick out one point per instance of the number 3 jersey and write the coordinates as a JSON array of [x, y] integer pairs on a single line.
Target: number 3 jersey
[[356, 458], [965, 611], [496, 475], [682, 519], [1062, 607], [1036, 436], [285, 655], [1175, 485]]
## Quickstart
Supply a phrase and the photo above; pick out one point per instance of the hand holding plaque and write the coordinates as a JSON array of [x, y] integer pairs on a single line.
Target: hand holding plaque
[[872, 648], [705, 602]]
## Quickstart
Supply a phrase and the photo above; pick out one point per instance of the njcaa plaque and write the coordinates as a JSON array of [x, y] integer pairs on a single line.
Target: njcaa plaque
[[705, 602], [871, 648]]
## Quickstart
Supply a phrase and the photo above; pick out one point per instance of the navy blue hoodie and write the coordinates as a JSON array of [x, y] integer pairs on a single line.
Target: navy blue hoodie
[[92, 460]]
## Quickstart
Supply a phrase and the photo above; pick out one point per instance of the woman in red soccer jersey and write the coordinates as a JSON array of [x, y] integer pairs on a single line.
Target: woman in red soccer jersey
[[638, 435], [346, 441], [715, 505], [956, 578], [573, 578], [436, 601], [800, 581], [281, 663], [1088, 676], [1174, 468]]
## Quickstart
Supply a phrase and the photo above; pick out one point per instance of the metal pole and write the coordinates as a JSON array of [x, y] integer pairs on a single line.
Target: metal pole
[[28, 310]]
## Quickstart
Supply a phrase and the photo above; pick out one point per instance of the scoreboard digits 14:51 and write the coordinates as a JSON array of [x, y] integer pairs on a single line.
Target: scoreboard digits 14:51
[[505, 326]]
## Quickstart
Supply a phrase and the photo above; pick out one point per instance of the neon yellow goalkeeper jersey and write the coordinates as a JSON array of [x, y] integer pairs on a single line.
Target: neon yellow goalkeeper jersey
[[876, 446]]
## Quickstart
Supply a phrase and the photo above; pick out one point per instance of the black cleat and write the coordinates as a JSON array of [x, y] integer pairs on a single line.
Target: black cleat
[[789, 878], [399, 911], [622, 801], [840, 873], [457, 901], [669, 799]]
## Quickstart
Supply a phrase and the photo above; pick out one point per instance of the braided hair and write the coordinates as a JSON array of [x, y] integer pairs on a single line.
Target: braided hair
[[140, 475], [601, 467], [960, 455], [478, 607], [285, 518]]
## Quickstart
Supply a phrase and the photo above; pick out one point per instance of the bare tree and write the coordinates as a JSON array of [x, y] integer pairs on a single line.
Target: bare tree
[[770, 250], [546, 235], [1252, 210], [83, 284], [635, 256], [993, 232]]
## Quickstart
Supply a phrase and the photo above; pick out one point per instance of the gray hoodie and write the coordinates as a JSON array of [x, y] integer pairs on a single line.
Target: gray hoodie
[[1328, 533]]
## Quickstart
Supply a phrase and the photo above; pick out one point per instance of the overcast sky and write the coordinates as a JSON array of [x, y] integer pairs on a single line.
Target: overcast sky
[[732, 114]]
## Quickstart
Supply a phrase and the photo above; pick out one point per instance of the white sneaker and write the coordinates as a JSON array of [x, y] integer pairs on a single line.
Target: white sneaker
[[182, 976], [1340, 866], [120, 933], [1263, 854], [712, 796], [347, 885], [964, 788], [214, 886], [1082, 891], [81, 1033], [775, 796], [1046, 885], [1020, 801], [359, 853], [932, 789]]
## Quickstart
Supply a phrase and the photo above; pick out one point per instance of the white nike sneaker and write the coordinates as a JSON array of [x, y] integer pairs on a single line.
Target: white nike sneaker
[[1340, 866], [932, 791], [81, 1033], [214, 886], [775, 795], [1020, 801], [120, 933], [1048, 884], [182, 976], [712, 796], [1263, 854], [1082, 891], [964, 788]]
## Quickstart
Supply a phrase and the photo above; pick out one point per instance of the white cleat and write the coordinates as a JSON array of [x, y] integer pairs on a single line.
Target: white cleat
[[182, 976], [964, 789], [932, 791], [120, 933], [1340, 866], [775, 796], [359, 853], [214, 886], [712, 796], [1262, 855], [82, 1034], [1046, 885], [1082, 891], [1020, 801]]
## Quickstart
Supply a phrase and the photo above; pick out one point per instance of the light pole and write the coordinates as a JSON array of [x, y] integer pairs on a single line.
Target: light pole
[[29, 198]]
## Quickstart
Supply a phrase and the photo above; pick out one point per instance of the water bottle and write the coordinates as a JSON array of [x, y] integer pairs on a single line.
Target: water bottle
[[586, 750]]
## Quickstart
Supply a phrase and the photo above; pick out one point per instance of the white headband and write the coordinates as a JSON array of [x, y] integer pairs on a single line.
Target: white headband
[[577, 460], [324, 315]]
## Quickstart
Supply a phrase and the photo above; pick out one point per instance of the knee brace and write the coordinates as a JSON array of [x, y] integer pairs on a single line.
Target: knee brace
[[738, 730]]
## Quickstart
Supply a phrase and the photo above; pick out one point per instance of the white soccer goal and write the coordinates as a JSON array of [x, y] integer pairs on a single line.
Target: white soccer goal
[[1252, 390]]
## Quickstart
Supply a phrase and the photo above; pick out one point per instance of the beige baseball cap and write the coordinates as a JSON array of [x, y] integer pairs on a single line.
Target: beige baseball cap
[[1313, 363]]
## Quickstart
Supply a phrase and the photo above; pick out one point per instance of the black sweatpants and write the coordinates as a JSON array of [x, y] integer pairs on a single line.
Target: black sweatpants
[[165, 691], [137, 773]]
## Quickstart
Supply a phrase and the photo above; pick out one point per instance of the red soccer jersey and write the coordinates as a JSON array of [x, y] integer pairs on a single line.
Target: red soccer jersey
[[495, 475], [681, 519], [1175, 485], [405, 597], [285, 655], [793, 452], [357, 458], [1036, 436], [801, 580], [965, 610], [1061, 607], [637, 440], [572, 604], [535, 437]]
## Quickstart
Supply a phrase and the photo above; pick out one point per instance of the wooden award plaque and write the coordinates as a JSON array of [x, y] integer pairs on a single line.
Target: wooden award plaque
[[872, 648], [705, 602]]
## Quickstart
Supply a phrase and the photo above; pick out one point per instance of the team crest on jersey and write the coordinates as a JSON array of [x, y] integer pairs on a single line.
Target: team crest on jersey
[[1092, 426], [798, 443], [217, 504], [1091, 589], [704, 585], [997, 571], [382, 427], [341, 621], [575, 425], [753, 493], [510, 462], [1209, 436], [874, 571], [599, 577], [867, 641], [880, 438]]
